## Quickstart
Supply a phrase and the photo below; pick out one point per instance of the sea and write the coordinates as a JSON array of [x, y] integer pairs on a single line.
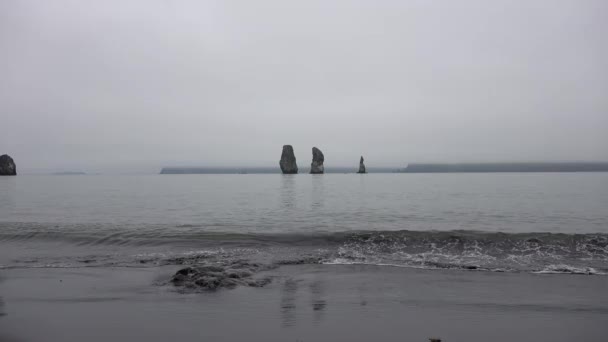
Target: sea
[[482, 222]]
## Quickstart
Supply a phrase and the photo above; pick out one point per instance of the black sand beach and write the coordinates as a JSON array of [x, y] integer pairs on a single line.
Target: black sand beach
[[303, 303]]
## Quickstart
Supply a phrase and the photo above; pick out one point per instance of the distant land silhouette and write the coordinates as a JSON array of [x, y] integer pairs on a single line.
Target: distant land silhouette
[[507, 167], [413, 168], [254, 170]]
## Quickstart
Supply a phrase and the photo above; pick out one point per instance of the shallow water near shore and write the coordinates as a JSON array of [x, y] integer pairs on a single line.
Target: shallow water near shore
[[347, 257], [554, 223]]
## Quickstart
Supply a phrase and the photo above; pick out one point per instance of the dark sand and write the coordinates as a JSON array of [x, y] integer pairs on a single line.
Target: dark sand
[[303, 303]]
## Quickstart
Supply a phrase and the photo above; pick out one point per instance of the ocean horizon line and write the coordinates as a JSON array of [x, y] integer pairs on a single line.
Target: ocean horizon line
[[413, 168]]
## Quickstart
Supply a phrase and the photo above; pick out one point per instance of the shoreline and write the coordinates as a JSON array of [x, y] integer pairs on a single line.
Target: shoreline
[[302, 303]]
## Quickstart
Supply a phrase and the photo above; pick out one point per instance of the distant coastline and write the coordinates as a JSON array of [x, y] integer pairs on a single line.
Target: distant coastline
[[69, 173], [261, 170], [507, 167], [412, 168]]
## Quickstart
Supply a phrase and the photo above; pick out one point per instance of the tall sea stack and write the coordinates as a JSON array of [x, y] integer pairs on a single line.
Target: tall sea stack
[[361, 166], [316, 167], [7, 166], [288, 160]]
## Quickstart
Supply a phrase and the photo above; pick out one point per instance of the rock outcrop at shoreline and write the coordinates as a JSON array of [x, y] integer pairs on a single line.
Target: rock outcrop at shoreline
[[288, 160], [7, 166], [316, 167], [216, 276], [361, 166]]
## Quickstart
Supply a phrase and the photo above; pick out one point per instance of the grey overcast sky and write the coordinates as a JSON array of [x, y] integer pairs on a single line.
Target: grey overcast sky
[[105, 84]]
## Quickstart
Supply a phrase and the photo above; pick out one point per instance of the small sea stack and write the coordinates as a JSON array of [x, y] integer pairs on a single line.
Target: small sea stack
[[361, 166], [316, 167], [288, 160], [7, 166]]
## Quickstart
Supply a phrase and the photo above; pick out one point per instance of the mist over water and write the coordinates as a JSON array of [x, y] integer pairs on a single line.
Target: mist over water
[[121, 87]]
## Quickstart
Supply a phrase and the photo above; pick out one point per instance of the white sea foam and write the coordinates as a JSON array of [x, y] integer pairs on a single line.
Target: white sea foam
[[567, 269]]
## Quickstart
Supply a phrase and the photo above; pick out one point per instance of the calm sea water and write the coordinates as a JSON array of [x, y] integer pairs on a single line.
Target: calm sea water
[[554, 222], [512, 203]]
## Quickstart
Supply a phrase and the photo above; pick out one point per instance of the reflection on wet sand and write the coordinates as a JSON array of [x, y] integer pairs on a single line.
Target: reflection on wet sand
[[288, 302], [317, 306], [317, 296]]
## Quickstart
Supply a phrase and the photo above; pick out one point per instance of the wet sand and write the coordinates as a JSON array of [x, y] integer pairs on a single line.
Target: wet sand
[[303, 303]]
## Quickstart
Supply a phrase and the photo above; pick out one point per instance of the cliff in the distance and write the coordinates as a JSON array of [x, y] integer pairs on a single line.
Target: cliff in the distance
[[361, 166], [316, 167], [288, 160], [7, 166]]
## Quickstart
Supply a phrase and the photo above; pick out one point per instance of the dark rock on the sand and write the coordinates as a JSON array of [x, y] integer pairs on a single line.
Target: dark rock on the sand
[[361, 166], [215, 276], [316, 167], [7, 166], [598, 241], [288, 160]]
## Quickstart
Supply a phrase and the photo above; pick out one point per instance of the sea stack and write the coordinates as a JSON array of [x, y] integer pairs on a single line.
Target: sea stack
[[316, 167], [288, 160], [7, 166], [361, 166]]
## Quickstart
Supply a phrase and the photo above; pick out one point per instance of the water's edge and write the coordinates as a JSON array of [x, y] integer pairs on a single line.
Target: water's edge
[[105, 245]]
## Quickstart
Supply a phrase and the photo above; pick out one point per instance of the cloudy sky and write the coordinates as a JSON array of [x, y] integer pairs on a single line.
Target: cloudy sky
[[143, 84]]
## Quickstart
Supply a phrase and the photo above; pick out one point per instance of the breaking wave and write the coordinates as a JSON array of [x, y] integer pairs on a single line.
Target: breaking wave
[[190, 245]]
